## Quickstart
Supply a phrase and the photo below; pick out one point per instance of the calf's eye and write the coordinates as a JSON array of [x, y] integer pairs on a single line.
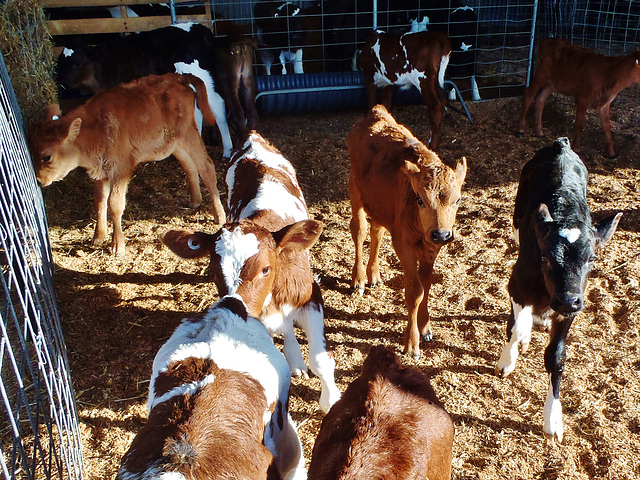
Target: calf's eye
[[46, 158], [266, 270], [420, 202]]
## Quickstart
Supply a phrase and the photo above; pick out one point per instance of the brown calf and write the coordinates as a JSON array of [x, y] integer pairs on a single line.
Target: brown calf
[[114, 131], [388, 424], [593, 80], [418, 59], [403, 187]]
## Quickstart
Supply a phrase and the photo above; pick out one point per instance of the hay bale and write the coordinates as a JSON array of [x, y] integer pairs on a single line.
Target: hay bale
[[27, 49]]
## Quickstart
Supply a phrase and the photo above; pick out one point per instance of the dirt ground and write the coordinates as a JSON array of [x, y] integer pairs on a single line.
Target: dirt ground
[[117, 312]]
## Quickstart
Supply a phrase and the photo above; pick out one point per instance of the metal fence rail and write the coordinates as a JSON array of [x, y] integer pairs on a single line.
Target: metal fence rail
[[39, 433]]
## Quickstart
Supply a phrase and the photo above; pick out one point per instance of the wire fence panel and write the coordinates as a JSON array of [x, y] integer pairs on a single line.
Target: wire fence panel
[[39, 433]]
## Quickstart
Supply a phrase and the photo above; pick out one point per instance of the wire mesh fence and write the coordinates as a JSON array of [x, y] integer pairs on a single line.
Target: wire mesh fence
[[39, 433]]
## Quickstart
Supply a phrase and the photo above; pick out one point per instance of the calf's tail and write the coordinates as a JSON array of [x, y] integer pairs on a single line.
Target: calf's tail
[[202, 99]]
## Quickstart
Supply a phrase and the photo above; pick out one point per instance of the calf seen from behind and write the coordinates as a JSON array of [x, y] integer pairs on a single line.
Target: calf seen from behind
[[116, 130], [401, 186], [557, 245], [593, 80], [218, 404], [388, 424]]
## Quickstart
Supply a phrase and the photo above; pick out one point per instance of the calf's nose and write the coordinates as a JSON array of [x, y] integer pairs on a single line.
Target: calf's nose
[[441, 236], [567, 303]]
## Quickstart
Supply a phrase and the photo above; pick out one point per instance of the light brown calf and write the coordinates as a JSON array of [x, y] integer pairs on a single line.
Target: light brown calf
[[388, 424], [594, 81], [403, 187], [114, 131]]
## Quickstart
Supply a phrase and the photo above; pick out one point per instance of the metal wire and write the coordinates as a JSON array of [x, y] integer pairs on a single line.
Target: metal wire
[[39, 432]]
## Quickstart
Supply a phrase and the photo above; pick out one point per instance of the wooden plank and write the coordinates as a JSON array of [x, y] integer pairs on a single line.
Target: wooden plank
[[104, 3], [118, 25]]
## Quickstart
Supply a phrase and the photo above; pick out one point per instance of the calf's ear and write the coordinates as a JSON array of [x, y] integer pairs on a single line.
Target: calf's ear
[[606, 227], [189, 244], [461, 169], [74, 130], [298, 236], [543, 213]]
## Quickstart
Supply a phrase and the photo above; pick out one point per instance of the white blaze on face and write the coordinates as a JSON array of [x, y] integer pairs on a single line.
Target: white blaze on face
[[571, 234], [235, 248], [67, 52]]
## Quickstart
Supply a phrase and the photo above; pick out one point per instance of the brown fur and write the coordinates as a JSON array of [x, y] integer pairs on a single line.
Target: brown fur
[[181, 436], [388, 424], [390, 171], [593, 80], [424, 52], [114, 131]]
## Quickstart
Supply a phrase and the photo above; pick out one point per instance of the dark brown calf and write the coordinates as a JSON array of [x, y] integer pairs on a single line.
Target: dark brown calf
[[401, 186], [593, 80], [114, 131], [418, 59], [388, 424]]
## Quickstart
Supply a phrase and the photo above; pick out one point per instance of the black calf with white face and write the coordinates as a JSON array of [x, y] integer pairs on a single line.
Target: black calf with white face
[[557, 243]]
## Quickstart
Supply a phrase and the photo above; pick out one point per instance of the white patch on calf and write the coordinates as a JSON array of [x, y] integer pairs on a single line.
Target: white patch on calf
[[274, 196], [570, 234], [67, 52], [152, 472], [444, 63], [382, 69], [553, 415], [184, 389], [183, 26], [235, 248], [216, 102], [520, 334], [407, 79]]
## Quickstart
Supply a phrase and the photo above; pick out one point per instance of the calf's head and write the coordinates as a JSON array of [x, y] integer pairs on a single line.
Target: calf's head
[[567, 255], [436, 189], [52, 145], [246, 259]]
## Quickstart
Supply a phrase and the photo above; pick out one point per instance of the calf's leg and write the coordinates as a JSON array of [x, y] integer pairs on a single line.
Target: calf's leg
[[518, 333], [554, 358], [435, 107], [373, 267], [117, 203], [605, 121], [101, 194], [528, 96], [541, 99], [358, 226], [413, 295], [581, 117], [425, 272]]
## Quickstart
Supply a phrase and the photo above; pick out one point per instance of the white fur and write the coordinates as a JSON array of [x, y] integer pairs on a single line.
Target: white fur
[[293, 57], [216, 102], [570, 234], [520, 334], [184, 26], [553, 415], [444, 63], [153, 472], [184, 389], [475, 90], [273, 195], [382, 70], [235, 248]]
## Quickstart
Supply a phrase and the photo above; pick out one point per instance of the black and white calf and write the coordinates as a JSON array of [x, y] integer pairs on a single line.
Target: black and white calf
[[552, 226], [218, 404]]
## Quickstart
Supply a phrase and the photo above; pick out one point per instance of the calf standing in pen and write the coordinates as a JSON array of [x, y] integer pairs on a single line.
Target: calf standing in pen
[[388, 424], [267, 205], [224, 64], [413, 59], [557, 245], [218, 404], [403, 187], [116, 130], [593, 80]]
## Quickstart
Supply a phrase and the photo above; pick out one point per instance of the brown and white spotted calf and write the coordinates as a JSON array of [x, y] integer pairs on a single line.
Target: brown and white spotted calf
[[145, 120], [401, 186], [388, 424], [267, 205], [412, 59], [218, 404]]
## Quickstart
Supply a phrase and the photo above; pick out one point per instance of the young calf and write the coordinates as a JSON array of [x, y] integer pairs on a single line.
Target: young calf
[[117, 129], [218, 404], [593, 80], [418, 59], [403, 187], [557, 248], [266, 202], [388, 424]]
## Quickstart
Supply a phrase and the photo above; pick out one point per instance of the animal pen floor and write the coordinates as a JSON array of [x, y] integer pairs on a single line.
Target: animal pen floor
[[117, 312]]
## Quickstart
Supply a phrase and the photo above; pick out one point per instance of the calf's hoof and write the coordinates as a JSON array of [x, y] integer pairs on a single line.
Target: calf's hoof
[[502, 372], [357, 290], [427, 337]]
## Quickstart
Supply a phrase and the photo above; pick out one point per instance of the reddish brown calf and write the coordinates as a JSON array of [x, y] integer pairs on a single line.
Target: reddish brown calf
[[388, 424], [114, 131], [403, 187], [593, 80], [418, 59]]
